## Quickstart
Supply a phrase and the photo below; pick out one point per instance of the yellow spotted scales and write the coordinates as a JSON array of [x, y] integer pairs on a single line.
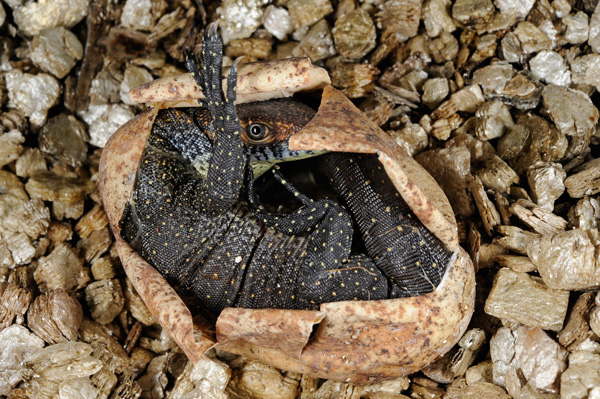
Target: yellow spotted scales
[[192, 217]]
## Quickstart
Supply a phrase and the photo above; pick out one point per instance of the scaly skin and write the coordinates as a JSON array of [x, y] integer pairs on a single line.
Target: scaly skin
[[192, 217]]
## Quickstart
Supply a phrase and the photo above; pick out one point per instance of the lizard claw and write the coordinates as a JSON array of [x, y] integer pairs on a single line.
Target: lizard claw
[[232, 78], [237, 61], [192, 66], [232, 84], [212, 28]]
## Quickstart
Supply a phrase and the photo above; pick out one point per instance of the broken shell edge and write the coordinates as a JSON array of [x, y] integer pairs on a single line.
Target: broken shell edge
[[284, 78]]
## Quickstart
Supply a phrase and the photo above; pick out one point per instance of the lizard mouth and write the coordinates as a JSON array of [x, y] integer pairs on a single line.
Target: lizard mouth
[[262, 164]]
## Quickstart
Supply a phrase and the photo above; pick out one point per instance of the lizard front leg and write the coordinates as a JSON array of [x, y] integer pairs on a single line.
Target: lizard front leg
[[330, 273], [226, 164], [409, 255], [187, 185]]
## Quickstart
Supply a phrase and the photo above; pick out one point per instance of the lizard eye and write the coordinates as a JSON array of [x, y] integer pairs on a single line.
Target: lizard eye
[[256, 131]]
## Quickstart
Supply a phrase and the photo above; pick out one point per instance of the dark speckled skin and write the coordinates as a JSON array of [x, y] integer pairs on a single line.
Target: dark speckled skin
[[186, 218]]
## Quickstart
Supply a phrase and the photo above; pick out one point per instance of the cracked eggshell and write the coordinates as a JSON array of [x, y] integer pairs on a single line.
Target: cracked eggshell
[[360, 342], [284, 79]]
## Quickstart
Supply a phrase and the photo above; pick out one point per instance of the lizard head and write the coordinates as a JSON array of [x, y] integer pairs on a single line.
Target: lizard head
[[266, 130]]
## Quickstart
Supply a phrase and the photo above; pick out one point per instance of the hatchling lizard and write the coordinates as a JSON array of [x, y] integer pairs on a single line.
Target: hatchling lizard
[[194, 214]]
